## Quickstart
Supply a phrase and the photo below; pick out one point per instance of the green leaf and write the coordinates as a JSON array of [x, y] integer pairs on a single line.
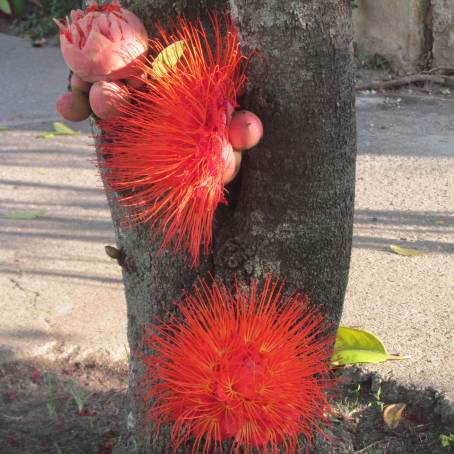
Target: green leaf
[[18, 6], [168, 58], [5, 7], [446, 440], [406, 251], [47, 135], [355, 345], [63, 130], [23, 215]]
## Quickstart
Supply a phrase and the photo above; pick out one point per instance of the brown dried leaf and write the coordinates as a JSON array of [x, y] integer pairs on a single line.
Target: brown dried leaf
[[392, 414]]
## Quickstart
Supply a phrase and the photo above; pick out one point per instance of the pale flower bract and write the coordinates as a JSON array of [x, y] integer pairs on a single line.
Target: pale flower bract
[[102, 42]]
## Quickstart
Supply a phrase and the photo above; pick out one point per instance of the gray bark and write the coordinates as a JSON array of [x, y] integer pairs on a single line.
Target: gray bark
[[291, 206]]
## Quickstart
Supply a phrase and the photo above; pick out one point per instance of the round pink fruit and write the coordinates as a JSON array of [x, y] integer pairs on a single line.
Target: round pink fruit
[[73, 106], [107, 99], [78, 84], [245, 130], [232, 161]]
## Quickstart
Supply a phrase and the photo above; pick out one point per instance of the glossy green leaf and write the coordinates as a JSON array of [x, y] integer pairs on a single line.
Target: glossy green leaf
[[23, 215], [62, 130], [405, 251], [355, 345], [5, 7], [168, 58]]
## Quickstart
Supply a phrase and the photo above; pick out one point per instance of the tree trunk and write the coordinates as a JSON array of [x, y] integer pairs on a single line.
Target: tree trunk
[[291, 206]]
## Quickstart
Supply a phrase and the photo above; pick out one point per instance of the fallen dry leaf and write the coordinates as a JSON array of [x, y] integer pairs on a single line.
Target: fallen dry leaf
[[392, 414]]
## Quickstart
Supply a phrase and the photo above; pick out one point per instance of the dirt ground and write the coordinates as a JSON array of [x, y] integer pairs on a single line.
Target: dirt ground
[[60, 408], [74, 408]]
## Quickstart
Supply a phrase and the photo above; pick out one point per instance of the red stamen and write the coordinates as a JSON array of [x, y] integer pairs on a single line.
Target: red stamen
[[252, 366], [164, 154]]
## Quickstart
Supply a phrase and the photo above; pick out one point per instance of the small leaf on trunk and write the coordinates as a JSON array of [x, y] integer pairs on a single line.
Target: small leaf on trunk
[[168, 58]]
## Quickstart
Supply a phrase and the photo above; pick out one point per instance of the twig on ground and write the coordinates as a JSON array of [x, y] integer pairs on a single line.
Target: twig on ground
[[367, 447], [406, 80], [448, 70], [13, 418]]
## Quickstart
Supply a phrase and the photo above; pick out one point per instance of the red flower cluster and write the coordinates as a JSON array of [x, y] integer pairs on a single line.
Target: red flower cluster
[[164, 154], [251, 366]]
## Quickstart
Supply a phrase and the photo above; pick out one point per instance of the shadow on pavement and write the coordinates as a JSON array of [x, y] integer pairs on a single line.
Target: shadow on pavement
[[377, 229]]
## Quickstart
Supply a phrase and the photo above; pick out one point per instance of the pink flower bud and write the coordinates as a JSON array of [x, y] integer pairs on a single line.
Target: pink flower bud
[[107, 99], [73, 106], [102, 42], [245, 130]]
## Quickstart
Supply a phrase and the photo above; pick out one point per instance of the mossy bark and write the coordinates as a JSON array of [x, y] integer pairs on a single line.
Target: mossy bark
[[291, 206]]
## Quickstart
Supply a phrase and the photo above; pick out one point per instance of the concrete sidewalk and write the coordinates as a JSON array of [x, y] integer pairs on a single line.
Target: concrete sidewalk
[[405, 196], [61, 294]]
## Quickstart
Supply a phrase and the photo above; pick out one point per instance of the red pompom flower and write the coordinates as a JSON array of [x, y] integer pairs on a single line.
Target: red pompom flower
[[164, 153], [252, 367]]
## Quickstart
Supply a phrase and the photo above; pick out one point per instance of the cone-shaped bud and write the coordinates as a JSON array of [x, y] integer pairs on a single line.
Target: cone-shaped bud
[[102, 42]]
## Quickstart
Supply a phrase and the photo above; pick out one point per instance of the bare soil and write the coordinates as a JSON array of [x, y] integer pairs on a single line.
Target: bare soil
[[76, 408], [40, 413]]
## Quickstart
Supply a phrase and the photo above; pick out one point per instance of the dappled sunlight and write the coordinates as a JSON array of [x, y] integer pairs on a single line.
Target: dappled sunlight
[[55, 277]]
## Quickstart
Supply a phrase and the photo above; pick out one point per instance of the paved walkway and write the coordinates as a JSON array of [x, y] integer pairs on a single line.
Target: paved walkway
[[60, 293], [405, 196]]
